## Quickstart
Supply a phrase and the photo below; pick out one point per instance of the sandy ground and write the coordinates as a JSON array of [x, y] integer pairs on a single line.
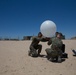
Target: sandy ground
[[14, 60]]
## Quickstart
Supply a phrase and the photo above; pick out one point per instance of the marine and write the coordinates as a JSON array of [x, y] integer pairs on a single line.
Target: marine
[[35, 47], [55, 51]]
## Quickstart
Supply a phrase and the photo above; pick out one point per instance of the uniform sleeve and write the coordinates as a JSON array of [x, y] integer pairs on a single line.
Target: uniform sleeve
[[44, 39], [37, 39], [49, 42]]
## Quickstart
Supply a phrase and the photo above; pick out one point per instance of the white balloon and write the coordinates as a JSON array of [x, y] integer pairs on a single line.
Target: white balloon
[[48, 28]]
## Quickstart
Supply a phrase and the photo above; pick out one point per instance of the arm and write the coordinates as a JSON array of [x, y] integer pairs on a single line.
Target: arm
[[49, 42], [45, 39]]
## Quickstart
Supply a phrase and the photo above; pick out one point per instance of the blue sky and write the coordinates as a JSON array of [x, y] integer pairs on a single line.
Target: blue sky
[[20, 18]]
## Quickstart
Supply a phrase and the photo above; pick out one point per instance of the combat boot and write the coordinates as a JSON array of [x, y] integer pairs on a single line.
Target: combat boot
[[29, 53], [59, 59]]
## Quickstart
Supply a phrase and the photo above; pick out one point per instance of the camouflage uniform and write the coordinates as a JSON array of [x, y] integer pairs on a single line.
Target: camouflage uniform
[[34, 46], [56, 47]]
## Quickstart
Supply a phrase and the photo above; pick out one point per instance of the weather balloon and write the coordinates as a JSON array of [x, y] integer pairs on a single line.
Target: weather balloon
[[48, 28]]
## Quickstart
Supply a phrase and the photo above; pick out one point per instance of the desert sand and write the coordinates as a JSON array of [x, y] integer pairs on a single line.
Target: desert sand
[[14, 60]]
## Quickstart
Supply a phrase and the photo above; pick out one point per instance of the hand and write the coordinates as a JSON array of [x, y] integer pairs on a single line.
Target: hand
[[47, 38]]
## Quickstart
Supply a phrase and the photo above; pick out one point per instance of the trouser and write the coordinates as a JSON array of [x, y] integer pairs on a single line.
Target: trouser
[[53, 53], [37, 47]]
